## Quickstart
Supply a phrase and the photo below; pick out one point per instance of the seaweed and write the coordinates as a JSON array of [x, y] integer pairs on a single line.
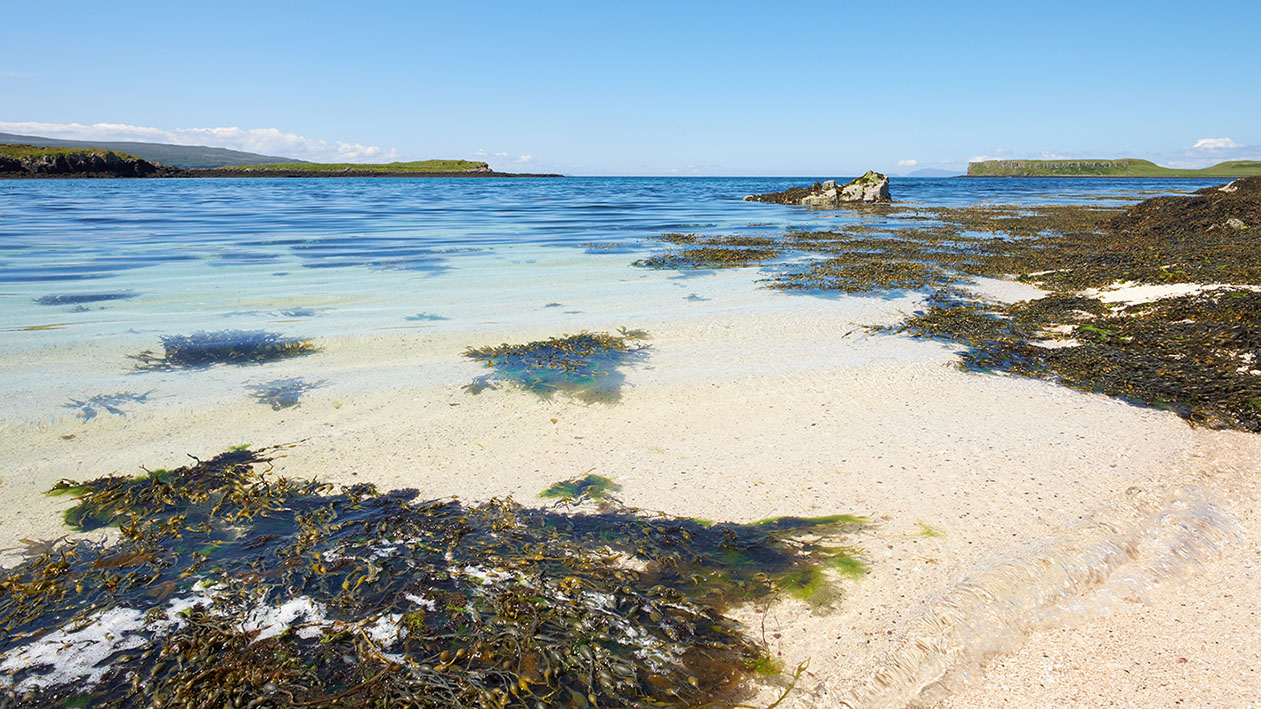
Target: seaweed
[[851, 275], [1195, 355], [111, 403], [81, 298], [227, 586], [585, 365], [238, 347], [425, 317], [706, 257], [588, 487], [282, 393]]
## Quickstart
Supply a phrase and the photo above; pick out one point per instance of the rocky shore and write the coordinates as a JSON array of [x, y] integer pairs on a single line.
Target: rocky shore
[[88, 163], [871, 187]]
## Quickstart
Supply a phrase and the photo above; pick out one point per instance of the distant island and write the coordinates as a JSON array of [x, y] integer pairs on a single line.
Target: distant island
[[1123, 167], [162, 153], [24, 161], [417, 168]]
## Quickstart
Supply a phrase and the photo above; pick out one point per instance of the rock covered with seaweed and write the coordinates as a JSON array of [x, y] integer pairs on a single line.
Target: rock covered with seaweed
[[228, 587], [871, 187]]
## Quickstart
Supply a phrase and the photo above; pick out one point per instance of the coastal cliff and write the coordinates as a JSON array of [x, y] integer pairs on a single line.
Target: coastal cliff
[[32, 161], [1120, 167]]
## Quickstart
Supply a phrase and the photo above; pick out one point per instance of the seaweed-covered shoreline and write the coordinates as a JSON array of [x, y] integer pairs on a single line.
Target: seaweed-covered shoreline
[[229, 586], [1195, 353]]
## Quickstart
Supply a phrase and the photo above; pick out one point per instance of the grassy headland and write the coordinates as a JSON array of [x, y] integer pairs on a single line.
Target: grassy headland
[[1124, 167], [390, 167], [20, 152]]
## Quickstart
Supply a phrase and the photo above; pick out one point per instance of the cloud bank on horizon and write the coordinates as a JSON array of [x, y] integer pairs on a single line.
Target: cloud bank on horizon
[[268, 141]]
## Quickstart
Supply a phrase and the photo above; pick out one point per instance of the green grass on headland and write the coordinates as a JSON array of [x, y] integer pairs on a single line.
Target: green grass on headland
[[19, 152], [415, 166], [1125, 167]]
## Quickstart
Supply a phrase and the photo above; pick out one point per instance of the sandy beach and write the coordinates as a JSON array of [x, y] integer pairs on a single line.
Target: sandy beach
[[1029, 545]]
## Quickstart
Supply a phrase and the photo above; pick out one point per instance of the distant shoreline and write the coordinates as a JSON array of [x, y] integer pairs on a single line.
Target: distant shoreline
[[1096, 177], [205, 173]]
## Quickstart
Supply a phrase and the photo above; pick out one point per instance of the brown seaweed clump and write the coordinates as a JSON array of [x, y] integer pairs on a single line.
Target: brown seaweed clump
[[1234, 207], [239, 347], [709, 257], [226, 586], [585, 365], [1196, 355]]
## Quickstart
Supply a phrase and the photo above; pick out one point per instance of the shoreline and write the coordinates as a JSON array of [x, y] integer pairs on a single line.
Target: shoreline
[[962, 473], [204, 173], [1010, 518]]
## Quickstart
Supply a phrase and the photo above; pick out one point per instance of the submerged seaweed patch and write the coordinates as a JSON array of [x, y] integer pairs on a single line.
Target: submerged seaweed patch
[[87, 409], [229, 587], [588, 487], [585, 365], [81, 298], [203, 349], [425, 317], [283, 393]]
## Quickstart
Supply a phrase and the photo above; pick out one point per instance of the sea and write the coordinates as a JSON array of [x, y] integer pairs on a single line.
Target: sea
[[94, 271]]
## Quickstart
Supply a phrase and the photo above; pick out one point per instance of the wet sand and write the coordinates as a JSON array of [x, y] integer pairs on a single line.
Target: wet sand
[[1030, 545]]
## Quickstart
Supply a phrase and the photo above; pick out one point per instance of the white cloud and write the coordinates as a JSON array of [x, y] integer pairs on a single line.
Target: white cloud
[[908, 163], [1215, 144], [268, 141], [1000, 154], [1209, 151], [483, 153]]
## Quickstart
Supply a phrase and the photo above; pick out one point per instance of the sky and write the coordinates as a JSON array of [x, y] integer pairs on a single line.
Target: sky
[[646, 88]]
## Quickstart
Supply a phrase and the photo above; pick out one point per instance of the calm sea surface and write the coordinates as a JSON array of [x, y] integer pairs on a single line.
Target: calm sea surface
[[105, 267]]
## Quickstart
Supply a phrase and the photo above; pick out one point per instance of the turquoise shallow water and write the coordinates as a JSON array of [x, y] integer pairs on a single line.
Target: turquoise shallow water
[[106, 267]]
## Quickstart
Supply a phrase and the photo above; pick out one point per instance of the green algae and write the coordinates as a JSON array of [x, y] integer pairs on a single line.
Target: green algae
[[927, 530], [407, 602], [586, 366], [588, 487], [236, 347]]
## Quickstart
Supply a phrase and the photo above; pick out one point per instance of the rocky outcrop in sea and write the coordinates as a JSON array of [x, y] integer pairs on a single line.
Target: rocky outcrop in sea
[[871, 187]]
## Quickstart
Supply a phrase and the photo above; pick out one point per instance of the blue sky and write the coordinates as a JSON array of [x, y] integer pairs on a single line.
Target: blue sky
[[727, 88]]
